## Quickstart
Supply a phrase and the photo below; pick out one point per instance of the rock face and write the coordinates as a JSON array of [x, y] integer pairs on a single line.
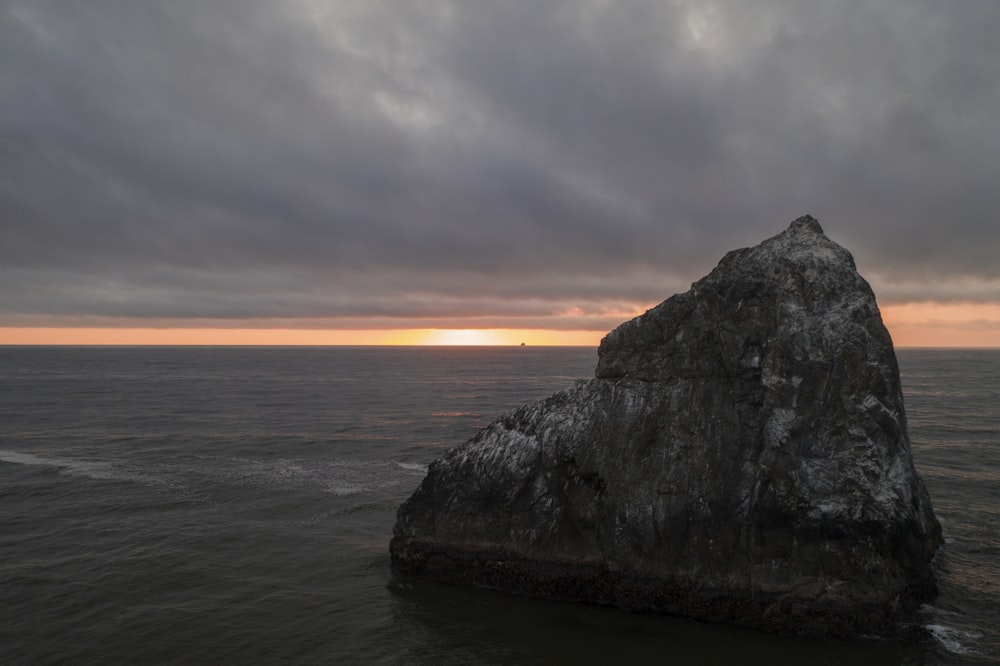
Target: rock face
[[741, 456]]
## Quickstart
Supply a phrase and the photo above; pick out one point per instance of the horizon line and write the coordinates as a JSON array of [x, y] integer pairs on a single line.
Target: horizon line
[[975, 330], [390, 345]]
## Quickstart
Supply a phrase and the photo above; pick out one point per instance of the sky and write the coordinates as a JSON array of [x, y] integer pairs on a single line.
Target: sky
[[300, 172]]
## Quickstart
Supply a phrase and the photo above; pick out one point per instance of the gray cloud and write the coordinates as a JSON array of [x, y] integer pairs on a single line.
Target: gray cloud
[[554, 163]]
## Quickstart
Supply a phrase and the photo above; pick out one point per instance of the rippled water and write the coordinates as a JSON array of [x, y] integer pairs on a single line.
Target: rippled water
[[234, 505], [953, 405]]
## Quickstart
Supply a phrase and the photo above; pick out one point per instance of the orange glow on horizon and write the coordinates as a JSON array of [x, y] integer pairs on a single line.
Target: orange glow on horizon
[[292, 337], [911, 325], [497, 337], [943, 324]]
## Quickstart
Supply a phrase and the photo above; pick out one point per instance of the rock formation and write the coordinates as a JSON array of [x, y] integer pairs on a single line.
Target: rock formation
[[741, 456]]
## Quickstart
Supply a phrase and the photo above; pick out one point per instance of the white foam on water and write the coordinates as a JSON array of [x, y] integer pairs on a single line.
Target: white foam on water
[[17, 458], [952, 639], [345, 489], [338, 477], [102, 470], [90, 468]]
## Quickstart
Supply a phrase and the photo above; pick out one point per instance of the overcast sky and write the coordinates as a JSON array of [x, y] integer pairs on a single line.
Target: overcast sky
[[515, 164]]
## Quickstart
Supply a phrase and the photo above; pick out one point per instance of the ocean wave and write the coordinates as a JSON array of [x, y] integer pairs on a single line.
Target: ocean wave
[[105, 470], [339, 477], [412, 467], [956, 641], [93, 469]]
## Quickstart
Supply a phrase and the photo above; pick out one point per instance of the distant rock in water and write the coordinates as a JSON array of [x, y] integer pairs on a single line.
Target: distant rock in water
[[741, 456]]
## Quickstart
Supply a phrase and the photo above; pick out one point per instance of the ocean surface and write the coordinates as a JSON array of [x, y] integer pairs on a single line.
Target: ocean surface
[[179, 505]]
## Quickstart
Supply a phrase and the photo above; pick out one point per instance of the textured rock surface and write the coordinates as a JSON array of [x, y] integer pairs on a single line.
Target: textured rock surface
[[741, 456]]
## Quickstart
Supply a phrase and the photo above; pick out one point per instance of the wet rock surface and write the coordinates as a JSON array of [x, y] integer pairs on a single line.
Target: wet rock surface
[[741, 456]]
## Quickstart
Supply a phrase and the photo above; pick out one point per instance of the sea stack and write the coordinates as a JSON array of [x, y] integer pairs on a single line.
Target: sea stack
[[741, 456]]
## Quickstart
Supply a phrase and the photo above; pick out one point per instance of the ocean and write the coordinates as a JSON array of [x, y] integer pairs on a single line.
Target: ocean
[[234, 505]]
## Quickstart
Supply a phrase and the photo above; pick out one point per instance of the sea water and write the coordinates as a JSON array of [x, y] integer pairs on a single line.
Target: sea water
[[234, 505]]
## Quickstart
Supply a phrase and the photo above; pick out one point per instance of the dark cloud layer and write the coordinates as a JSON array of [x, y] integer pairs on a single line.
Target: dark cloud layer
[[551, 163]]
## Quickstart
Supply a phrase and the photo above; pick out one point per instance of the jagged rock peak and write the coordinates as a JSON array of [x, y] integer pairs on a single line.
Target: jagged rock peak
[[802, 242], [741, 456], [798, 284], [806, 223]]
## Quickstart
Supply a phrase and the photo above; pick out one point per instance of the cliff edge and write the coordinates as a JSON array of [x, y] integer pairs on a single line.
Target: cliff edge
[[741, 456]]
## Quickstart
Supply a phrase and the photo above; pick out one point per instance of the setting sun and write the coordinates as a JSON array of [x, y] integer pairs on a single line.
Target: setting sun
[[508, 337], [465, 336]]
